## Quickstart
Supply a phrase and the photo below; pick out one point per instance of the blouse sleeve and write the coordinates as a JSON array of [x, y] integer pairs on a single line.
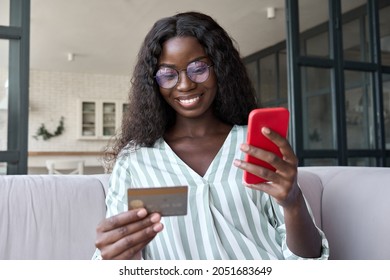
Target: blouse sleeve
[[120, 181], [281, 229], [116, 199]]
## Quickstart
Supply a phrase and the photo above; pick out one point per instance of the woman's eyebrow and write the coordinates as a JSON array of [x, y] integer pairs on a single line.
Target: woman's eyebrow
[[166, 65], [174, 66]]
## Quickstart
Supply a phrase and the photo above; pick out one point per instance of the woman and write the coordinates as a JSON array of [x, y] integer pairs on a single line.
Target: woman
[[186, 125]]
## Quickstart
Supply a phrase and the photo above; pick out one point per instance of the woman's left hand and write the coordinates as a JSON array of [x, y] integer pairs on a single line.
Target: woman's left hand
[[282, 183]]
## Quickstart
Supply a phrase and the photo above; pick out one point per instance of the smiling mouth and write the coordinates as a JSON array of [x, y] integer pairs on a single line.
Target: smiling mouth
[[188, 101]]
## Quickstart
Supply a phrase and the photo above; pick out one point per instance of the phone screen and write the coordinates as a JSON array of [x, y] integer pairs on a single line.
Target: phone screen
[[277, 120]]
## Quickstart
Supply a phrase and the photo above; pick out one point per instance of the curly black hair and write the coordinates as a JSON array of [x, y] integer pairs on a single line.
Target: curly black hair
[[149, 116]]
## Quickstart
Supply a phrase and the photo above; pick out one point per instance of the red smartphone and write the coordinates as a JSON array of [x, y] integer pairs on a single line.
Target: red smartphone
[[277, 120]]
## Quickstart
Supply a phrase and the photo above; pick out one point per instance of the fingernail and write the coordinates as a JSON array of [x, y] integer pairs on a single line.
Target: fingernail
[[142, 213], [266, 130], [155, 218], [237, 162], [157, 228], [244, 147]]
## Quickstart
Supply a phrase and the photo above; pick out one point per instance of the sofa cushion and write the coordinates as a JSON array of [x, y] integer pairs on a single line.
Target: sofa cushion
[[49, 216]]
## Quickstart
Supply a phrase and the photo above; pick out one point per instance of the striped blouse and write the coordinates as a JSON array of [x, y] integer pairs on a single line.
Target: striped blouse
[[225, 219]]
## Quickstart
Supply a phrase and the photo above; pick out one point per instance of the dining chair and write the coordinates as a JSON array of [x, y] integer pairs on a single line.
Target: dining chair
[[65, 166]]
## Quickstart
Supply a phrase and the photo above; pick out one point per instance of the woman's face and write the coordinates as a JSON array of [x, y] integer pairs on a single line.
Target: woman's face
[[188, 98]]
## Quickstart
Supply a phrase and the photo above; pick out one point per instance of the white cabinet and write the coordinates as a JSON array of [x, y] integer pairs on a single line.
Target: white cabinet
[[99, 119]]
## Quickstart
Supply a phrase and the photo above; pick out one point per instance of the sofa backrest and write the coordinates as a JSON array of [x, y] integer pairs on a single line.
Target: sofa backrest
[[55, 216], [50, 216]]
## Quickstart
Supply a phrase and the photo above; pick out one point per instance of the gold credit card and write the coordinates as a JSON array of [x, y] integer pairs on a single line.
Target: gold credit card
[[168, 201]]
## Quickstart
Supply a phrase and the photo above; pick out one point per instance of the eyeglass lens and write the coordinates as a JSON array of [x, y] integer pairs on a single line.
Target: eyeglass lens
[[197, 71]]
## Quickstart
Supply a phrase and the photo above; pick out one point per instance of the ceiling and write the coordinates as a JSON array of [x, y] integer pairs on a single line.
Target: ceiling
[[105, 36]]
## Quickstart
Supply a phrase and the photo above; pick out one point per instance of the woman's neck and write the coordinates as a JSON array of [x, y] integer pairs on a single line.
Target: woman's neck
[[196, 127]]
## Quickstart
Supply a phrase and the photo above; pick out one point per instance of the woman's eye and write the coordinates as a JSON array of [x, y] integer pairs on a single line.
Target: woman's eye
[[169, 76], [198, 70]]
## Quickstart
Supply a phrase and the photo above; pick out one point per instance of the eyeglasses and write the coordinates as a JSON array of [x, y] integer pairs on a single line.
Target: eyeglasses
[[197, 71]]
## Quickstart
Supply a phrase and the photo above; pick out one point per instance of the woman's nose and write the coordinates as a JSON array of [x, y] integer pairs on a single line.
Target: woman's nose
[[184, 83]]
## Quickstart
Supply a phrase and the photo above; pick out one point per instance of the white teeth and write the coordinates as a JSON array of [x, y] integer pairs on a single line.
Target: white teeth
[[188, 101]]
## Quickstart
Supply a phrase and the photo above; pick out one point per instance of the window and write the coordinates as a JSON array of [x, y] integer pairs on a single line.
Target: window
[[14, 70], [339, 83]]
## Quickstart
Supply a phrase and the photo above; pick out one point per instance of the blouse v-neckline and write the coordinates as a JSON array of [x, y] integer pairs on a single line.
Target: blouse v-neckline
[[165, 145]]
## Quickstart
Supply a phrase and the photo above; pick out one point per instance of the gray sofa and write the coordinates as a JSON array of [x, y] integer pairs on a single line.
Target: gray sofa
[[55, 216]]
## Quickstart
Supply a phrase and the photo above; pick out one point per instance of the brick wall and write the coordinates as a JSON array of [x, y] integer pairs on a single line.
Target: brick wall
[[55, 94]]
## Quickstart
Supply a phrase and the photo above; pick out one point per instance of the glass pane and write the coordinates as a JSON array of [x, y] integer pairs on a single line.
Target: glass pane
[[320, 162], [89, 119], [361, 162], [386, 108], [356, 40], [4, 12], [315, 80], [253, 74], [317, 109], [385, 34], [318, 133], [283, 75], [359, 110], [108, 118], [3, 168], [347, 5], [318, 45], [4, 46], [125, 107], [268, 75]]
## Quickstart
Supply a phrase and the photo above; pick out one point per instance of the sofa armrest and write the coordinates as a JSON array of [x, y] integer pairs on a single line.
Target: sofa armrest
[[356, 211], [312, 188]]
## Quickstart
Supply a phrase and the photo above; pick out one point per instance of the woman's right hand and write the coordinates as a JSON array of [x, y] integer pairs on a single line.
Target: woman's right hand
[[123, 236]]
